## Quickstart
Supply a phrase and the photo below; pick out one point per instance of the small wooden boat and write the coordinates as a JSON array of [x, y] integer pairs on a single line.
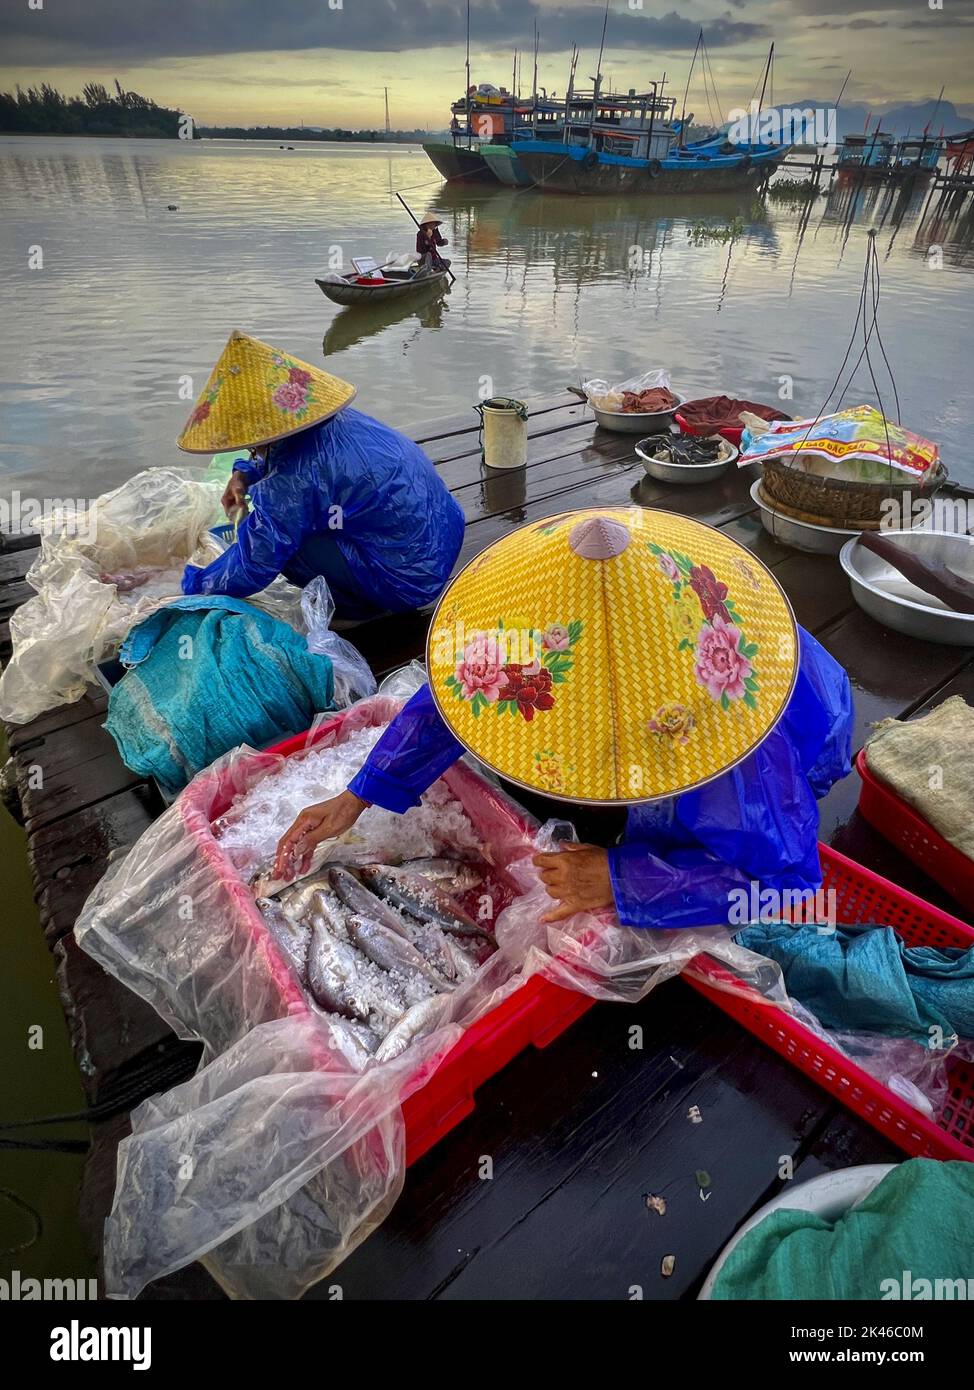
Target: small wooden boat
[[395, 284]]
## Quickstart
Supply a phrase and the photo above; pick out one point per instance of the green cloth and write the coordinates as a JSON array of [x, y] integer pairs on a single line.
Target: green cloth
[[917, 1224]]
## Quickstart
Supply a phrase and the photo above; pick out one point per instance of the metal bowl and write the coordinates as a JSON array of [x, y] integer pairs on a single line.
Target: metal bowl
[[683, 473], [637, 422], [892, 600], [801, 535]]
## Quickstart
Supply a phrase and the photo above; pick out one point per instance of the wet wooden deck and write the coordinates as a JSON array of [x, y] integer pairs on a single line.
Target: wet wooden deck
[[580, 1131]]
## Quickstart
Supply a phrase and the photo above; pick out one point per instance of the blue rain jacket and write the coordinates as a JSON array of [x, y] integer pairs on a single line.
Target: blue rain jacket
[[353, 483], [680, 859]]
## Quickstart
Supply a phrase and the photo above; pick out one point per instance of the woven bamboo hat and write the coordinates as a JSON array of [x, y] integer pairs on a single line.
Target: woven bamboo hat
[[257, 394], [612, 656], [431, 219]]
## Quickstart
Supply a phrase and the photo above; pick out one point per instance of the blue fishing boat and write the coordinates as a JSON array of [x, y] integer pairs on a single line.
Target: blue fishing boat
[[868, 154], [633, 144]]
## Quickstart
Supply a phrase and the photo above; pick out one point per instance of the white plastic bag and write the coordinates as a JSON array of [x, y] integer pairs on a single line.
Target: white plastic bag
[[102, 570], [609, 397], [352, 677]]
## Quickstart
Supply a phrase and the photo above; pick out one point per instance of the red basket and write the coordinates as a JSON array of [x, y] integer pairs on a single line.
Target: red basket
[[908, 831], [861, 896]]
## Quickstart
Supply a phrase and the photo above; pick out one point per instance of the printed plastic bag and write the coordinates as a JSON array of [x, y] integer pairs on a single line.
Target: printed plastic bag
[[856, 444]]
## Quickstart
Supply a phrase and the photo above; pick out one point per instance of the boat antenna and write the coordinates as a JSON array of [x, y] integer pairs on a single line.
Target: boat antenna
[[686, 90], [842, 89], [534, 85]]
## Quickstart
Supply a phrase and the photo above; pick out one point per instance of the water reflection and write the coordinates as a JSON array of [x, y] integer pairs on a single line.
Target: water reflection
[[134, 298]]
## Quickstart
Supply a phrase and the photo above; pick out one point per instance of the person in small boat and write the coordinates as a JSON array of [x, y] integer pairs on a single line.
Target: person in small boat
[[728, 775], [428, 240], [332, 491]]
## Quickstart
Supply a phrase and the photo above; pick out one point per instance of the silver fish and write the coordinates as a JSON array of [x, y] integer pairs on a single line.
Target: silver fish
[[355, 1041], [293, 938], [420, 1019], [357, 896], [421, 898], [455, 875], [332, 973], [392, 951], [296, 900], [265, 885]]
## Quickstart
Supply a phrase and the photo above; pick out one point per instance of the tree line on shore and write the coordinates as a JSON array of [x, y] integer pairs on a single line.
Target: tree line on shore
[[44, 110]]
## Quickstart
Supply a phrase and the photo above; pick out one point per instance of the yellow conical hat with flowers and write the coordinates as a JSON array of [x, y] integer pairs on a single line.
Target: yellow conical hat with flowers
[[612, 656], [256, 394]]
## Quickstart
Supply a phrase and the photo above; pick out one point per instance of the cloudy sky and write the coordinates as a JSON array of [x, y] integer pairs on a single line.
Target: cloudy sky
[[325, 62]]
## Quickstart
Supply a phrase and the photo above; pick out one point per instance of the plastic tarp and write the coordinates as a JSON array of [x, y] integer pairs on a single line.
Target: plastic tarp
[[281, 1155], [99, 571]]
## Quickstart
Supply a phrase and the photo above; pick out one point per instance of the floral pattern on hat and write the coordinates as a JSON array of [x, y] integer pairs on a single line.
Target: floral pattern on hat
[[487, 677], [706, 622]]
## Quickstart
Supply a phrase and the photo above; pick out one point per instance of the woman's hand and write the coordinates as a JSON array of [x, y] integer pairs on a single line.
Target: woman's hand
[[234, 499], [324, 821], [578, 877]]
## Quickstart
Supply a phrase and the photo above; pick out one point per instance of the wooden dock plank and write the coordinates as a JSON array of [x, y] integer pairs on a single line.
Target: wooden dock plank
[[573, 1151]]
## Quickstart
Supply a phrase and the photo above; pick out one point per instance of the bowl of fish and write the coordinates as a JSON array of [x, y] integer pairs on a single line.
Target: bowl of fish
[[646, 412], [682, 458]]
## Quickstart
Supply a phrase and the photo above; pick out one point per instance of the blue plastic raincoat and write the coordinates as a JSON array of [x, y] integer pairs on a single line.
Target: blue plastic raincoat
[[680, 859], [351, 499]]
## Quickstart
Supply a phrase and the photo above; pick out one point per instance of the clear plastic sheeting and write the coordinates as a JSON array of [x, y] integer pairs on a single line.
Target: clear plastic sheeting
[[351, 673], [600, 958], [103, 569], [281, 1154]]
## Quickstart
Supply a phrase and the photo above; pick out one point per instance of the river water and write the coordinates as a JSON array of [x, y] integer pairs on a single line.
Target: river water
[[110, 301]]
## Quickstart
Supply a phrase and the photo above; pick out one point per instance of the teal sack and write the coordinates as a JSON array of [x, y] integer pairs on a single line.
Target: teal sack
[[911, 1238], [208, 674]]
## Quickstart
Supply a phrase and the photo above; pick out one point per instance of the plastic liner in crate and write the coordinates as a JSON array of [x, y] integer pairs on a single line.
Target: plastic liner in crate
[[862, 896], [904, 827]]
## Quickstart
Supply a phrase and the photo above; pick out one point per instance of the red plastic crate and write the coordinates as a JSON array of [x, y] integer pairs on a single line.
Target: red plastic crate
[[908, 831], [861, 896]]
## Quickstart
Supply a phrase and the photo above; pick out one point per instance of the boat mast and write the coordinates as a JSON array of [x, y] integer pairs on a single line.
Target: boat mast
[[598, 71], [534, 85], [764, 85], [686, 90], [469, 136]]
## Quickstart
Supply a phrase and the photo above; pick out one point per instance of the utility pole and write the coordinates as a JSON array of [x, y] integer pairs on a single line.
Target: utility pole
[[388, 127]]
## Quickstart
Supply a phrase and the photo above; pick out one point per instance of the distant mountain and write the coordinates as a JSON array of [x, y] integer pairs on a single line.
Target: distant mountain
[[896, 120], [905, 119]]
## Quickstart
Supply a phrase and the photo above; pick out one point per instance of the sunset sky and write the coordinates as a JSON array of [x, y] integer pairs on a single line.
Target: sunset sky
[[325, 62]]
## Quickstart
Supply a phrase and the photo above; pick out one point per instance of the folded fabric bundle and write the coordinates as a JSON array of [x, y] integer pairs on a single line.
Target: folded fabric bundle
[[926, 762], [912, 1237], [864, 979], [211, 673]]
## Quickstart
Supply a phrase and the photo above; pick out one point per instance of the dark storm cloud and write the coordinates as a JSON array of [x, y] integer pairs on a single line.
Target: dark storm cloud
[[135, 32]]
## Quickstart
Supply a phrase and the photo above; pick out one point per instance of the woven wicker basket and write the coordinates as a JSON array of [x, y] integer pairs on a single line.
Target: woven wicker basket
[[850, 505]]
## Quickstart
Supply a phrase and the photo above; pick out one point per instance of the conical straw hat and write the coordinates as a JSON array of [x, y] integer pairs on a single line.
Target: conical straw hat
[[612, 656], [256, 394]]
